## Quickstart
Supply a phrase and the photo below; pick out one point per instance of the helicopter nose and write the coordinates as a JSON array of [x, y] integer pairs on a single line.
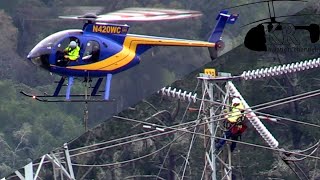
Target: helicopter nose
[[39, 58], [30, 57]]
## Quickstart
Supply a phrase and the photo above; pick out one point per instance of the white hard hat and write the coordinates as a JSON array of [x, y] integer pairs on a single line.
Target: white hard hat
[[73, 44], [236, 101]]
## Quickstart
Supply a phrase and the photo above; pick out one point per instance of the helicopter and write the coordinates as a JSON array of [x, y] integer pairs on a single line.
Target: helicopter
[[106, 48], [255, 38]]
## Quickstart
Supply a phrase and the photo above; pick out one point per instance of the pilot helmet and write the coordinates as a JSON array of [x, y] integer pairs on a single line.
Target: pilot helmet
[[73, 44]]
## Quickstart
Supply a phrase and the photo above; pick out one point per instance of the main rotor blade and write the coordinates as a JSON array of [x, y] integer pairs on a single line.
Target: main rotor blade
[[81, 9], [263, 2], [147, 14], [260, 20], [138, 14]]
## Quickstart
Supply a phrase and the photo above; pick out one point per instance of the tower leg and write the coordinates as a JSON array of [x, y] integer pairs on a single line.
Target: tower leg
[[28, 170], [68, 161]]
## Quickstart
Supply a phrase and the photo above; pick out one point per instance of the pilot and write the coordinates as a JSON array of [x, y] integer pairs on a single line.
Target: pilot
[[95, 53], [72, 51]]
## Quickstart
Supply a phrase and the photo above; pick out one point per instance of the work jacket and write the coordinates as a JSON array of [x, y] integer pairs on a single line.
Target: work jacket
[[73, 53]]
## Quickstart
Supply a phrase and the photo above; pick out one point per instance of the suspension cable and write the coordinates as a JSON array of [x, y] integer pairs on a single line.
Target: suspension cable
[[261, 108], [241, 142], [210, 121], [131, 160]]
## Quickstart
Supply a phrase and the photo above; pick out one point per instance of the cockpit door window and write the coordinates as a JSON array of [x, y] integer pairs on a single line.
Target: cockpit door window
[[92, 52], [60, 53]]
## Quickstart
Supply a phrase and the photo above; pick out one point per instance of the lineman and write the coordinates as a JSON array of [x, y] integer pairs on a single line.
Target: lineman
[[72, 51], [235, 123]]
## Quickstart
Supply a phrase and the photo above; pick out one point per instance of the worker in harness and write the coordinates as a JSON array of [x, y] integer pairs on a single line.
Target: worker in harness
[[234, 124], [72, 51]]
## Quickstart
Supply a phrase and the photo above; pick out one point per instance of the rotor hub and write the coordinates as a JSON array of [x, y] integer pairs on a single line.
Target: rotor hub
[[90, 16]]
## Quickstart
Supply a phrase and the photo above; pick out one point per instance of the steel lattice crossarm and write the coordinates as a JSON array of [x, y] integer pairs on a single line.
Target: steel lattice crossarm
[[253, 118], [281, 69]]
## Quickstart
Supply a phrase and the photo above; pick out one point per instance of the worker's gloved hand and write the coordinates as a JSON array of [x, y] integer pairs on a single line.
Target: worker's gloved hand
[[240, 120], [225, 113]]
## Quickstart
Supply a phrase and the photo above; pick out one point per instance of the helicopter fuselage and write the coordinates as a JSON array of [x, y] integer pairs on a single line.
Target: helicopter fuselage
[[104, 49]]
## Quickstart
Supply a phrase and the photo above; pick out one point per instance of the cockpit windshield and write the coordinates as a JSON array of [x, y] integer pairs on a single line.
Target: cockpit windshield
[[53, 39]]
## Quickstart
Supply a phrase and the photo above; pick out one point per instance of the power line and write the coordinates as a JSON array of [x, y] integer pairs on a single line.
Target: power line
[[201, 134], [183, 117], [230, 140], [287, 118], [255, 110], [162, 164], [192, 139], [185, 130], [114, 140], [127, 137], [131, 160], [285, 100], [256, 145], [299, 97], [261, 108], [290, 120], [185, 112], [123, 143], [303, 96], [258, 107], [172, 130], [189, 150], [278, 102]]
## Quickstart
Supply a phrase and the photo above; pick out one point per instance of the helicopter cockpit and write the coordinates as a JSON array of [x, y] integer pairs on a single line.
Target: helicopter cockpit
[[51, 50]]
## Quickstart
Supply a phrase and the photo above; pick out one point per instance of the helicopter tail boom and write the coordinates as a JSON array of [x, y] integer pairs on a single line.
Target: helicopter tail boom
[[163, 41], [223, 18], [214, 45], [143, 43]]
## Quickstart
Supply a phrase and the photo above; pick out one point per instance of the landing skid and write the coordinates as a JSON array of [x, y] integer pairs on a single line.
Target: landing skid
[[88, 96], [51, 98]]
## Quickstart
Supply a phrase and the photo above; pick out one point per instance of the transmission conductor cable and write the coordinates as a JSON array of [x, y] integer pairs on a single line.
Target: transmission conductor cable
[[293, 98], [201, 123], [204, 135], [173, 127]]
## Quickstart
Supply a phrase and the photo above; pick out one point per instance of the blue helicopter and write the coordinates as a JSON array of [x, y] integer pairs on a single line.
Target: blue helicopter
[[106, 48]]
